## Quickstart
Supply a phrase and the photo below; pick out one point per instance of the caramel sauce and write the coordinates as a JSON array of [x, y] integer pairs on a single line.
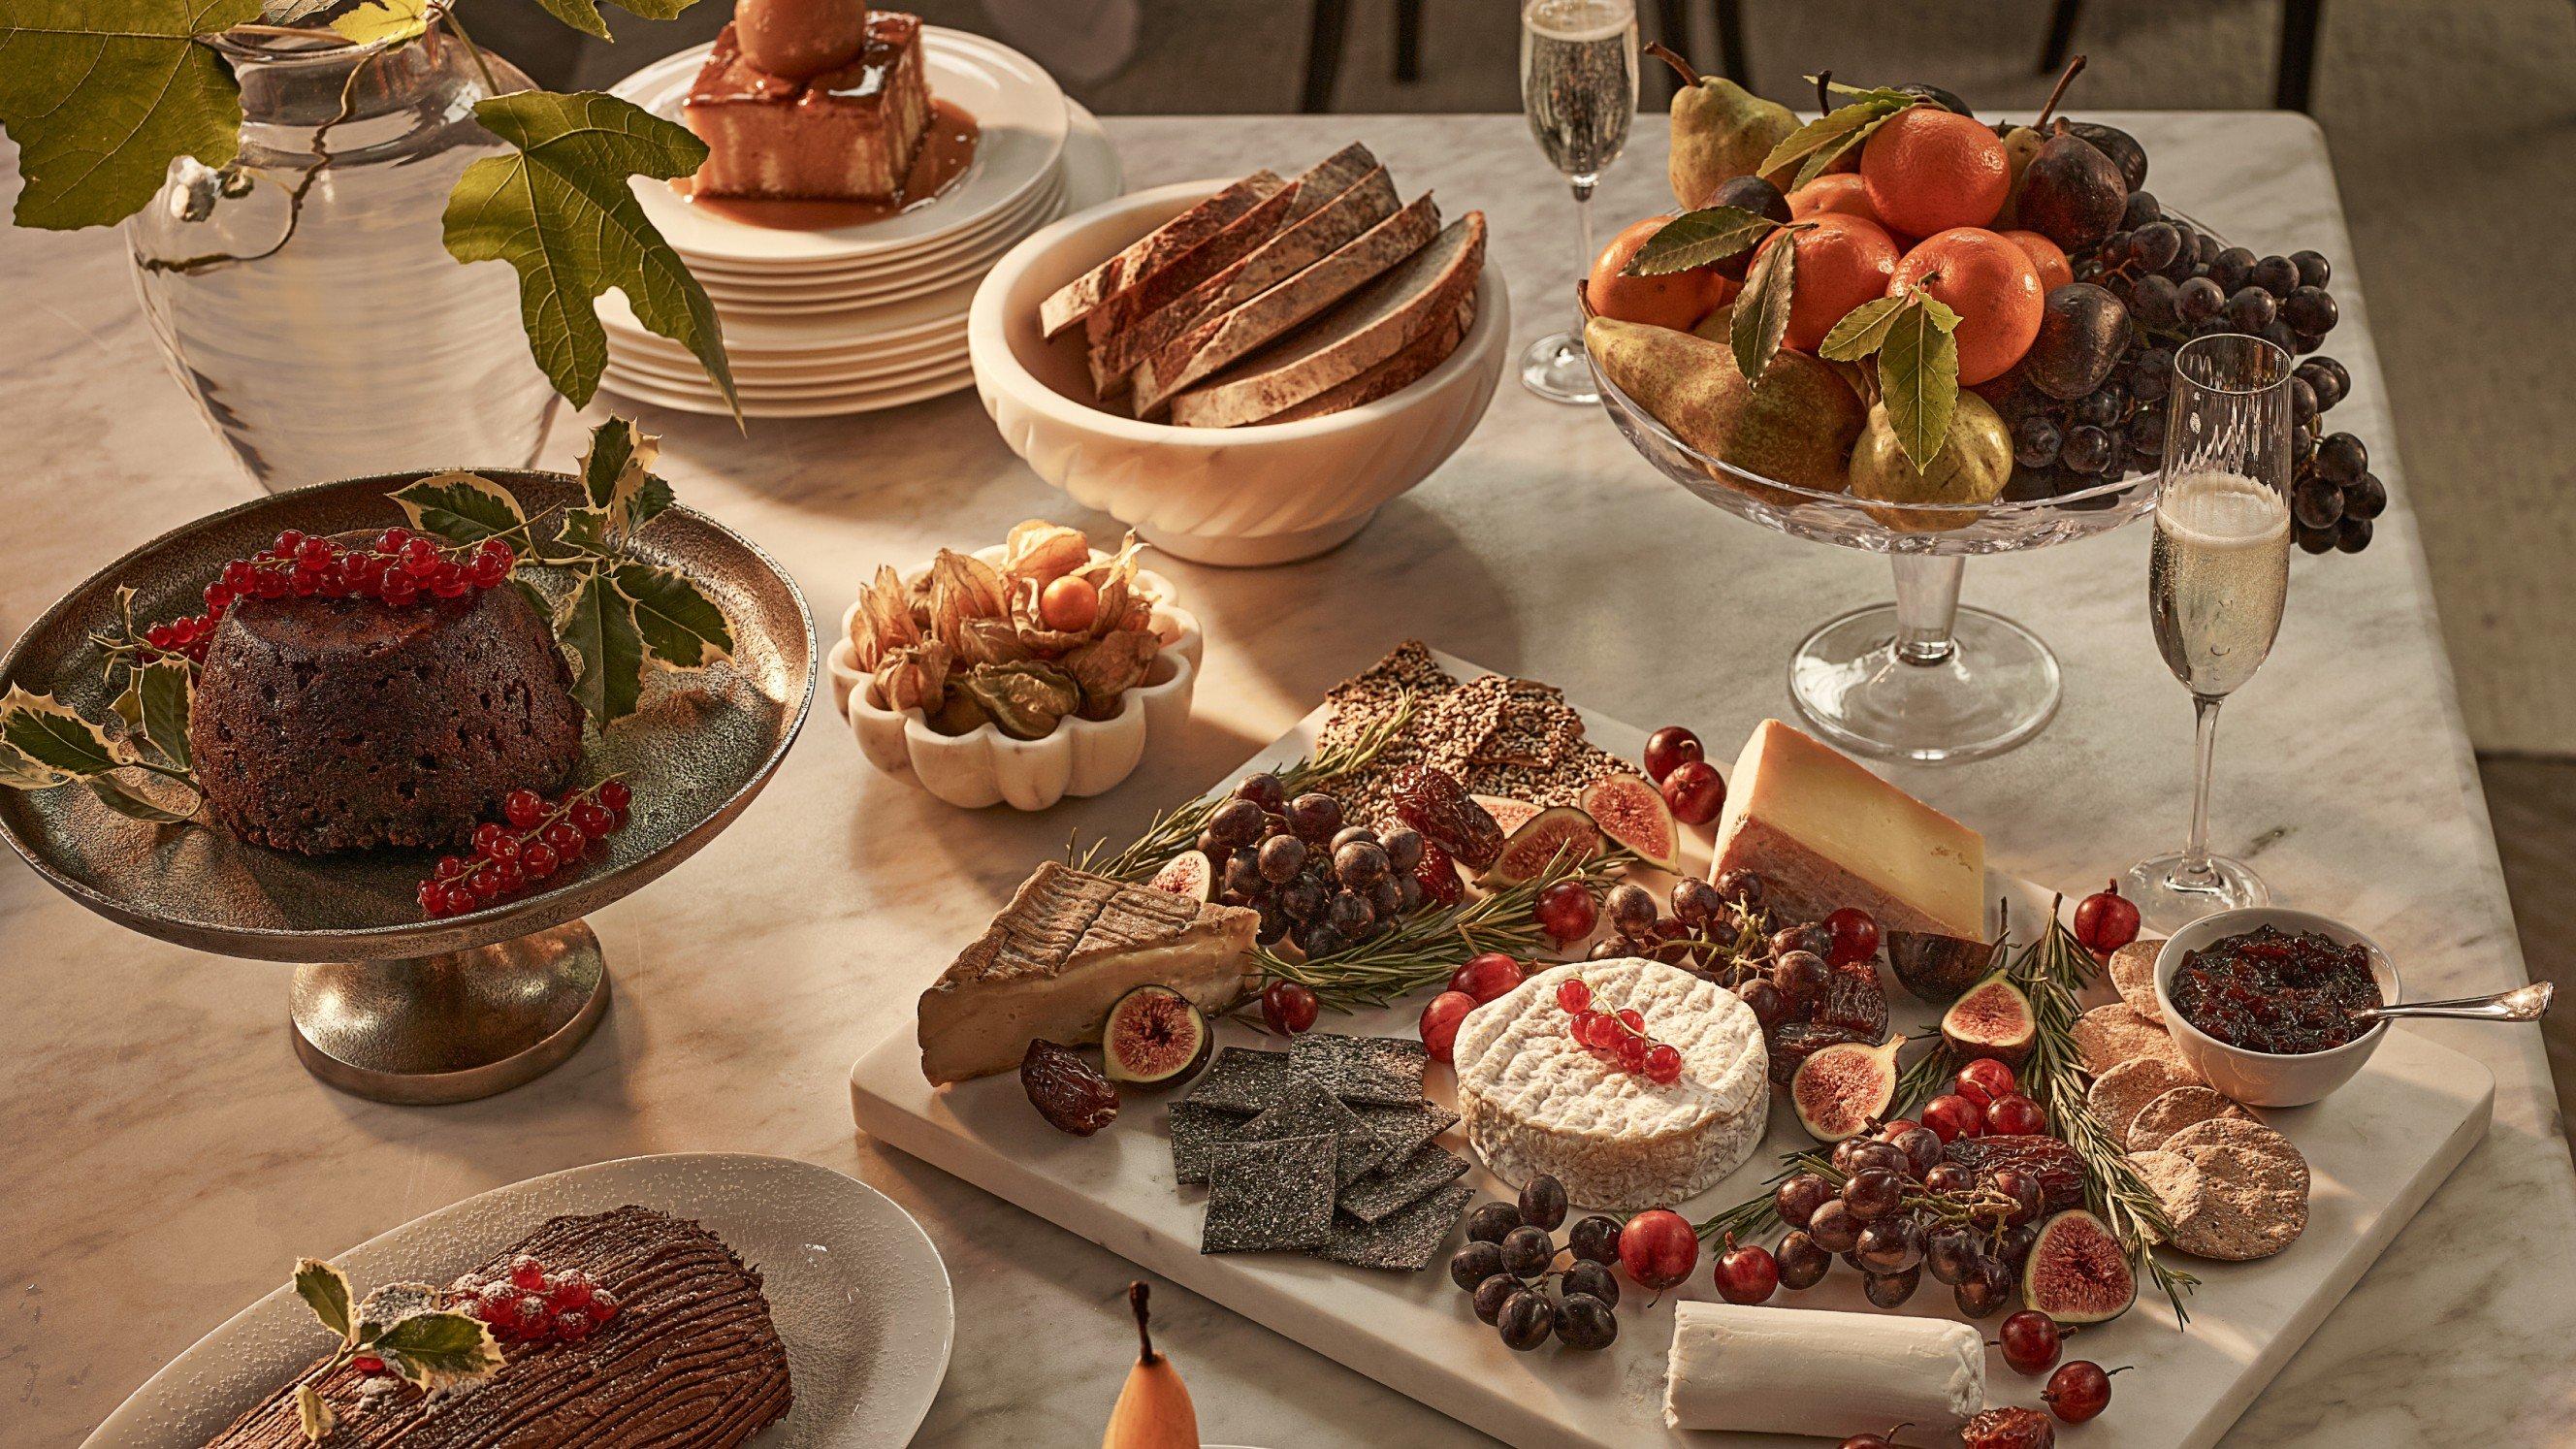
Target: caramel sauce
[[947, 149]]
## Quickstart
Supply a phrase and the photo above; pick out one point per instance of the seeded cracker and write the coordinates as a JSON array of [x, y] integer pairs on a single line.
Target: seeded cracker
[[2174, 1181], [2253, 1199], [1455, 726], [1405, 1241], [1561, 785], [1537, 731], [1405, 1129], [2133, 970], [1269, 1197], [2119, 1094], [2106, 1036], [1306, 1109], [2177, 1109], [1382, 1071], [1401, 1184], [1196, 1131], [1240, 1080]]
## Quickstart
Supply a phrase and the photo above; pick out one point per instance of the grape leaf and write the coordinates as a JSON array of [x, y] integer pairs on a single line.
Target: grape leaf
[[101, 98], [560, 212], [598, 624], [583, 15], [1762, 311], [384, 21], [681, 626], [325, 1289], [43, 730], [168, 693], [460, 507], [1696, 238], [1861, 331], [1918, 376]]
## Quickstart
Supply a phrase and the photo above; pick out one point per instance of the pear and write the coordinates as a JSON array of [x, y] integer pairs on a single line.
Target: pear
[[1153, 1410], [1975, 460], [1797, 427], [1720, 131], [1719, 325], [2020, 144]]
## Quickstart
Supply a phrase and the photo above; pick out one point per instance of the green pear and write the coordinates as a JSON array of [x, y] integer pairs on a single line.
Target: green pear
[[2020, 144], [1718, 325], [1974, 463], [1720, 131], [1797, 427]]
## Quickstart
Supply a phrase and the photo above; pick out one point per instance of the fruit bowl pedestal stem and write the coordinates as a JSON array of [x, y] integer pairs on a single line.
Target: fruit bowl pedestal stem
[[1923, 679], [454, 1027]]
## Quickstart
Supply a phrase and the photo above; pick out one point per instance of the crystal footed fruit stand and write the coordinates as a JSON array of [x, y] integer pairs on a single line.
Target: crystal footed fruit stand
[[1920, 679]]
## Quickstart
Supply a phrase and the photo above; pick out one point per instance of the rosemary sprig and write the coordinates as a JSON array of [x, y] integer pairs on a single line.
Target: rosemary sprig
[[1422, 949], [1177, 829], [1926, 1077]]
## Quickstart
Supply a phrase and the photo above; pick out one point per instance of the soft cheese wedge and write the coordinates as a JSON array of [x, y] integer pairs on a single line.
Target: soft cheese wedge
[[1061, 954], [1812, 1371], [1824, 833]]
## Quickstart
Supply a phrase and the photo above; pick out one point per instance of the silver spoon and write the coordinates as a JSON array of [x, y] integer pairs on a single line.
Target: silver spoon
[[2522, 1003]]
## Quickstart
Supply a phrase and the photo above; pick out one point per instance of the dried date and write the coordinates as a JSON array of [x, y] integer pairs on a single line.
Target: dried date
[[1440, 810], [1067, 1091], [2059, 1170]]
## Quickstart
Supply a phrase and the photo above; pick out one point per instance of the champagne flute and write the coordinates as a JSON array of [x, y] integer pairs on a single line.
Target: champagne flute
[[2217, 577], [1579, 90]]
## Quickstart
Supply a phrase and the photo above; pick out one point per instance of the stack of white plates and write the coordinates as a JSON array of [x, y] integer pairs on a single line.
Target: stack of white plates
[[855, 318]]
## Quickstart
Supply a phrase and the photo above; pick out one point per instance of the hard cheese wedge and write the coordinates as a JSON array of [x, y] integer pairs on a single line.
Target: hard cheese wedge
[[1824, 833]]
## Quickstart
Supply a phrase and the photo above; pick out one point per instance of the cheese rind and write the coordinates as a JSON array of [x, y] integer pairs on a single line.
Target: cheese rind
[[1824, 833], [1534, 1100], [1815, 1371]]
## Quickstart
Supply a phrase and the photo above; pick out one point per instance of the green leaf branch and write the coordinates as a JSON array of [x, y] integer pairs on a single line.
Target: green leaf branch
[[1697, 238], [400, 1325], [1761, 319], [1817, 145]]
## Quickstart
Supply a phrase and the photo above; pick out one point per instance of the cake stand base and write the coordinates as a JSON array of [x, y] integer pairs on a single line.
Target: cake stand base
[[454, 1027], [1986, 687]]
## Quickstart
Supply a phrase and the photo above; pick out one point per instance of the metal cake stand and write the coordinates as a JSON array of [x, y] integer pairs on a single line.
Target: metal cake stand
[[387, 1004]]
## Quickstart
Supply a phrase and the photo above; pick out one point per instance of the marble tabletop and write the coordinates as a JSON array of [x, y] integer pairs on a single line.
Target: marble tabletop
[[170, 1159]]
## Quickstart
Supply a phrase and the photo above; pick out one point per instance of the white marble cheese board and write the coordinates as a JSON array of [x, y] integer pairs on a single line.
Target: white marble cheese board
[[2376, 1150]]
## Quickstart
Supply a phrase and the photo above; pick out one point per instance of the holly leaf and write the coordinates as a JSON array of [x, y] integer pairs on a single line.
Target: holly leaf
[[1697, 238], [113, 794], [313, 1416], [1918, 376], [46, 732], [437, 1348], [1861, 331], [101, 98], [1822, 141], [1762, 311], [617, 473], [325, 1290], [560, 212], [17, 772], [379, 22], [598, 625], [167, 692], [682, 628], [460, 507], [583, 15]]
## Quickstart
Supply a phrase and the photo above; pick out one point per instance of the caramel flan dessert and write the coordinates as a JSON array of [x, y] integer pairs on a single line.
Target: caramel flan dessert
[[812, 100]]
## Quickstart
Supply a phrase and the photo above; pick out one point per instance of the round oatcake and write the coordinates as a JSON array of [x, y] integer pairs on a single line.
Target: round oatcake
[[2119, 1094], [2133, 971], [2174, 1181], [2177, 1109], [2108, 1035], [2253, 1190]]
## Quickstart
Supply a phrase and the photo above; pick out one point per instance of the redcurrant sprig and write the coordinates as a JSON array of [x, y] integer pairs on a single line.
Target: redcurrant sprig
[[529, 1303], [398, 567], [1619, 1036], [541, 838]]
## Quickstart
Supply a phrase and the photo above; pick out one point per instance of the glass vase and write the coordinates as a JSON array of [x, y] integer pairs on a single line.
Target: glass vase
[[302, 295]]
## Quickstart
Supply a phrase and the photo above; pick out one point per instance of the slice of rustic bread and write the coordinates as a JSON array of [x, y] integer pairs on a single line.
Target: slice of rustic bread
[[1374, 324], [1222, 340], [1168, 245], [1402, 370]]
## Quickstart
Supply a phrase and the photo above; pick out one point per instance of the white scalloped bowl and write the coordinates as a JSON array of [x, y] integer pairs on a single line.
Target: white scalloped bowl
[[987, 767], [1267, 493]]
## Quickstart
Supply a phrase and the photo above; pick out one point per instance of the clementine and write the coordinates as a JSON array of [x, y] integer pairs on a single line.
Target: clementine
[[1837, 191], [2055, 270], [1675, 299], [1843, 261], [1926, 170], [1993, 287]]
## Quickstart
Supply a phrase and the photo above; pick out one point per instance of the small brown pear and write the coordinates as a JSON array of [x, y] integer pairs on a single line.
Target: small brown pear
[[1720, 131], [1153, 1410], [1796, 428], [1975, 461]]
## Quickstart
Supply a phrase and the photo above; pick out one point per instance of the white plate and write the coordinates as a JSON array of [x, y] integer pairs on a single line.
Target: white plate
[[2376, 1149], [838, 382], [938, 352], [863, 401], [858, 1293], [754, 299], [1016, 105], [1005, 227]]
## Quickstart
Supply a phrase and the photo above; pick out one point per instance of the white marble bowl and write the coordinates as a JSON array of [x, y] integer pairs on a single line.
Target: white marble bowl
[[987, 767], [1263, 494], [2268, 1079]]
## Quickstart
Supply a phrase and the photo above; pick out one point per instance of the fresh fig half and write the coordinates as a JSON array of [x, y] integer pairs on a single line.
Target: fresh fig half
[[1153, 1038], [1842, 1089], [1993, 1020], [1508, 813], [1558, 831], [1935, 967], [1189, 873], [1633, 813], [1792, 1042], [2077, 1271]]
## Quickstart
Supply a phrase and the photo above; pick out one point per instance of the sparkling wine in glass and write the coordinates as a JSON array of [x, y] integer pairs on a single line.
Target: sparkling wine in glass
[[2217, 576], [1579, 90]]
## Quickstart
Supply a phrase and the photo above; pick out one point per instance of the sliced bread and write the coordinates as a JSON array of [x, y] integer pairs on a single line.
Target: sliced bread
[[1374, 324], [1402, 370], [1115, 352], [1222, 340], [1166, 246]]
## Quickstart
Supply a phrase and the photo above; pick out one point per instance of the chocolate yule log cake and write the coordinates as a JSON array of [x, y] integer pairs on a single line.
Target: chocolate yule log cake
[[689, 1356], [325, 724]]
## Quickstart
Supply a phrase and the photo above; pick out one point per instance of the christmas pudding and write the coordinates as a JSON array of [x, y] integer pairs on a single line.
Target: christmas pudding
[[327, 724]]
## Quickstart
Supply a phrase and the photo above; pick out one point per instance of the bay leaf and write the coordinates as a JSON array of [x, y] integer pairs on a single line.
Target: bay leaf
[[1697, 238], [1918, 376], [1861, 331], [1762, 310]]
